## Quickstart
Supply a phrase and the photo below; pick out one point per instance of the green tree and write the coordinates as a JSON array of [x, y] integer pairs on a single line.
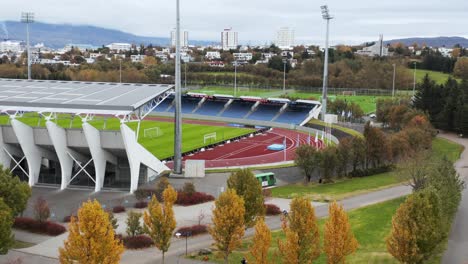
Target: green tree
[[246, 185], [306, 158], [14, 192], [6, 222], [134, 227], [328, 163]]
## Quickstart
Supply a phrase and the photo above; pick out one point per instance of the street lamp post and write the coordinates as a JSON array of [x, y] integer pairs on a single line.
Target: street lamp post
[[394, 74], [185, 75], [28, 18], [178, 100], [326, 15], [235, 78], [120, 70], [414, 80], [186, 235]]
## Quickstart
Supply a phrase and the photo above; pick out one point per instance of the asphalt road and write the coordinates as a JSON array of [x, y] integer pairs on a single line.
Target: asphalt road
[[457, 249]]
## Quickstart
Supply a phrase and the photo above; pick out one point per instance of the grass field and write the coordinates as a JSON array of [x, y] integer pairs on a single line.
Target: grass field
[[370, 225], [350, 187], [161, 146], [438, 77], [366, 102]]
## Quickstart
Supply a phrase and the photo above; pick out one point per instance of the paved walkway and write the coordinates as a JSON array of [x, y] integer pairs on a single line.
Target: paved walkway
[[457, 249]]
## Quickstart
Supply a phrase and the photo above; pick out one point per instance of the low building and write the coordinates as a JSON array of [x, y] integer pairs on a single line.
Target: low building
[[213, 55], [243, 56], [10, 46], [118, 47], [137, 58], [378, 49]]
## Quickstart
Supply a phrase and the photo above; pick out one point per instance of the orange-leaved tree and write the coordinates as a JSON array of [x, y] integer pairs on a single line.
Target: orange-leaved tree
[[160, 220], [302, 234], [228, 225], [92, 238], [261, 242], [339, 239]]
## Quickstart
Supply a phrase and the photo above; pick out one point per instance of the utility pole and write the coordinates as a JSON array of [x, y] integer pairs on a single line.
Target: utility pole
[[325, 15], [28, 18], [178, 100], [235, 78]]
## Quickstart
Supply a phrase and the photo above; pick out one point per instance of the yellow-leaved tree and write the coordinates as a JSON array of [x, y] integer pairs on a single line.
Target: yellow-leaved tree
[[339, 238], [228, 225], [302, 243], [160, 220], [261, 242], [91, 240]]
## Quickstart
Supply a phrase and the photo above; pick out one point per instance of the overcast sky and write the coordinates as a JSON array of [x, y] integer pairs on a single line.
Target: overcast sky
[[257, 20]]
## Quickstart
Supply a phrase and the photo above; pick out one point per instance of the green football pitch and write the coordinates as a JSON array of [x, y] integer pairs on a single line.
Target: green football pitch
[[159, 136]]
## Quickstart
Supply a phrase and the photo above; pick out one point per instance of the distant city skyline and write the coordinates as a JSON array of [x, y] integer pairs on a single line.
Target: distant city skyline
[[258, 21]]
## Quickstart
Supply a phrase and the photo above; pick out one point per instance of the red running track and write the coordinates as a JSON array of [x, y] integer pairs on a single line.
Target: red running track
[[253, 151]]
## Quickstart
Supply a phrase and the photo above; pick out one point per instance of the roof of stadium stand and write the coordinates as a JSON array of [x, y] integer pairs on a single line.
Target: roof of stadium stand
[[77, 97]]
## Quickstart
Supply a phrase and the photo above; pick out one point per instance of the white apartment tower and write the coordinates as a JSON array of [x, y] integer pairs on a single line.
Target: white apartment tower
[[285, 37], [229, 39], [183, 38]]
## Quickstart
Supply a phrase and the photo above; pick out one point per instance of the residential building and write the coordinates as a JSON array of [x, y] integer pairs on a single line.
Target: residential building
[[213, 55], [10, 46], [118, 47], [183, 38], [137, 58], [80, 47], [284, 38], [242, 56], [218, 64], [229, 39]]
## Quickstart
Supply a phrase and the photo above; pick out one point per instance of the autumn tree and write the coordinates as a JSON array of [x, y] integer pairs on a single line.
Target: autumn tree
[[6, 222], [41, 210], [92, 238], [306, 158], [245, 184], [14, 192], [461, 68], [160, 220], [261, 242], [417, 228], [302, 244], [228, 225], [343, 157], [338, 236]]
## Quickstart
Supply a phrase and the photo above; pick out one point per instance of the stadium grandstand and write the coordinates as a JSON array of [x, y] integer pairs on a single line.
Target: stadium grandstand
[[86, 156], [247, 108]]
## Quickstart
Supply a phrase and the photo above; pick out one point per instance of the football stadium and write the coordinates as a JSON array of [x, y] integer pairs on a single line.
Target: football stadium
[[120, 136]]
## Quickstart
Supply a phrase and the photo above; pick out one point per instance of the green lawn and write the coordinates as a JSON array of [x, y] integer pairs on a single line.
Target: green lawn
[[161, 146], [20, 244], [350, 187], [438, 77], [242, 91], [370, 225]]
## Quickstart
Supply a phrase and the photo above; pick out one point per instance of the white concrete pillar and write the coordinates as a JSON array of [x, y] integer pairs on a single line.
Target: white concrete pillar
[[100, 156], [137, 155], [32, 152], [58, 136], [5, 159]]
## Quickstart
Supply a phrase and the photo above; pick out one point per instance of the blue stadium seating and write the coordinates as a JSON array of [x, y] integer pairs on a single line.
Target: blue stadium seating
[[162, 107], [294, 115], [238, 109], [265, 112], [189, 104], [211, 108]]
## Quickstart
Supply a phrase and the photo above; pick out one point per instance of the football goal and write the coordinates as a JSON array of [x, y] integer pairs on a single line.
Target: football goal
[[209, 138], [153, 132]]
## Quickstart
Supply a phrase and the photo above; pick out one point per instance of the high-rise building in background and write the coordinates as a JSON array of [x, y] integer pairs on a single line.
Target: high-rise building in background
[[285, 37], [229, 39], [183, 38]]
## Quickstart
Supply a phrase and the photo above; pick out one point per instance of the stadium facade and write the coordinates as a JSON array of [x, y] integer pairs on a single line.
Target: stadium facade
[[85, 156]]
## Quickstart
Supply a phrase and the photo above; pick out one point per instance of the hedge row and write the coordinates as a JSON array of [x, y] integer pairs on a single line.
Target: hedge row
[[34, 226], [192, 230]]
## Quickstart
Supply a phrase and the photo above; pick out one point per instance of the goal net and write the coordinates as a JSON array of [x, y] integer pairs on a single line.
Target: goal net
[[349, 93], [209, 138], [152, 132]]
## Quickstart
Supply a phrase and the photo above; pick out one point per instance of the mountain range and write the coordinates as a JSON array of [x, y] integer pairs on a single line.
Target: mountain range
[[59, 35]]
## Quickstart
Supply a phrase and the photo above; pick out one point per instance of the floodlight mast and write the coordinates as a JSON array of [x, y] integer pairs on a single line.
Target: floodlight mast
[[28, 18], [178, 100], [326, 15]]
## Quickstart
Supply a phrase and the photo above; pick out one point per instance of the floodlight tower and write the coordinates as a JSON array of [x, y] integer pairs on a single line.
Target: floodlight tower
[[326, 15], [178, 100], [28, 18]]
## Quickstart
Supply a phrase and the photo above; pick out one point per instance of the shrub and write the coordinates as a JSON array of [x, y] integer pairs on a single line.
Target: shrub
[[195, 198], [118, 209], [192, 230], [271, 209], [138, 242], [141, 205], [371, 171], [142, 194], [266, 192], [41, 210], [35, 226], [189, 188]]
